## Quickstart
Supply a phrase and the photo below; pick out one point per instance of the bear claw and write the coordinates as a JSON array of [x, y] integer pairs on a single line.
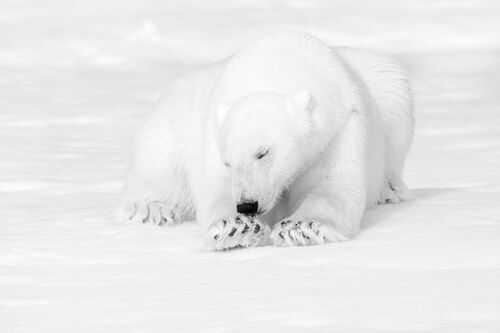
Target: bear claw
[[231, 234]]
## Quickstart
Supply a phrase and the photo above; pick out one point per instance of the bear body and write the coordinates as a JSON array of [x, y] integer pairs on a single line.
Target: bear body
[[288, 133]]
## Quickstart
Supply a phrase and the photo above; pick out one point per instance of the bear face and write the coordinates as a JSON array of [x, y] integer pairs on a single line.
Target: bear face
[[262, 141]]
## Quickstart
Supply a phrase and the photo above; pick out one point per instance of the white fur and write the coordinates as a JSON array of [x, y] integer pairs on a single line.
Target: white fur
[[336, 124]]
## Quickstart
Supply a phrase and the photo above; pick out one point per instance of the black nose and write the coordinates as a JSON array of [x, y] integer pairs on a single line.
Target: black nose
[[247, 207]]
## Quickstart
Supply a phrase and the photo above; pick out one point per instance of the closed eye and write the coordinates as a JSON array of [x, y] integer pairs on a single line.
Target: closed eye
[[262, 153]]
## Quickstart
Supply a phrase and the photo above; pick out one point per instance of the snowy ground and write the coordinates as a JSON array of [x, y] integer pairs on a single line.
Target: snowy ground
[[76, 77]]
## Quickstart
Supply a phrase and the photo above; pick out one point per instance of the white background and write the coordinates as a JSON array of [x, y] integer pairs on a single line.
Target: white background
[[76, 79]]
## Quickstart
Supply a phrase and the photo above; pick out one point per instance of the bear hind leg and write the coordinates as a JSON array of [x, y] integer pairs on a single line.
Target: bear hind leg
[[394, 190], [399, 128]]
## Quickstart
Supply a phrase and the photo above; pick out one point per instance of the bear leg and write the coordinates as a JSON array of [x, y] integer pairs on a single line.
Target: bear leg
[[333, 209]]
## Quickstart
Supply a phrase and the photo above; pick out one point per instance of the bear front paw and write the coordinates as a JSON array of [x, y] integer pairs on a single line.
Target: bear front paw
[[296, 232], [238, 231], [154, 212]]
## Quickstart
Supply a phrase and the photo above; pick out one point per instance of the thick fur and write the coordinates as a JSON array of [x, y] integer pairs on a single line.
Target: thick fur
[[334, 124]]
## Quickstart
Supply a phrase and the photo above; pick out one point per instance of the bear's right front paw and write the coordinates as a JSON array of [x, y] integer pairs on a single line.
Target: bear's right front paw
[[239, 231]]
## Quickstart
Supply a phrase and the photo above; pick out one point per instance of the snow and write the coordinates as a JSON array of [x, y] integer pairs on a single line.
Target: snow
[[76, 78]]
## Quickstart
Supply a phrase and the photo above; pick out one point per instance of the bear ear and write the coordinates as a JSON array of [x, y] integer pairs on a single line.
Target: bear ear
[[304, 100], [222, 110]]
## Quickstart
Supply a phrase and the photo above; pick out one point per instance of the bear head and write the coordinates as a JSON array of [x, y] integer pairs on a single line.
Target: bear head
[[264, 142]]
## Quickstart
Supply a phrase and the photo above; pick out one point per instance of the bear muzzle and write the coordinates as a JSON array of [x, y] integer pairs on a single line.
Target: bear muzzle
[[248, 208]]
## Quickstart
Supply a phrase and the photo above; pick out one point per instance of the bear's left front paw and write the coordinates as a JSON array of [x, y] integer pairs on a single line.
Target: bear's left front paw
[[238, 231], [297, 232]]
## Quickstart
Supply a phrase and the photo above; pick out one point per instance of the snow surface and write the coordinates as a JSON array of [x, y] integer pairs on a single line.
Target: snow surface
[[77, 77]]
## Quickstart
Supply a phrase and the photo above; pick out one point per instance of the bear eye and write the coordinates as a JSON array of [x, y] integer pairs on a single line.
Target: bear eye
[[262, 152], [226, 163]]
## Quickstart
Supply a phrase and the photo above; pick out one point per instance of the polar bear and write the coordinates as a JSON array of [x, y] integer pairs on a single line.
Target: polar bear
[[288, 134]]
